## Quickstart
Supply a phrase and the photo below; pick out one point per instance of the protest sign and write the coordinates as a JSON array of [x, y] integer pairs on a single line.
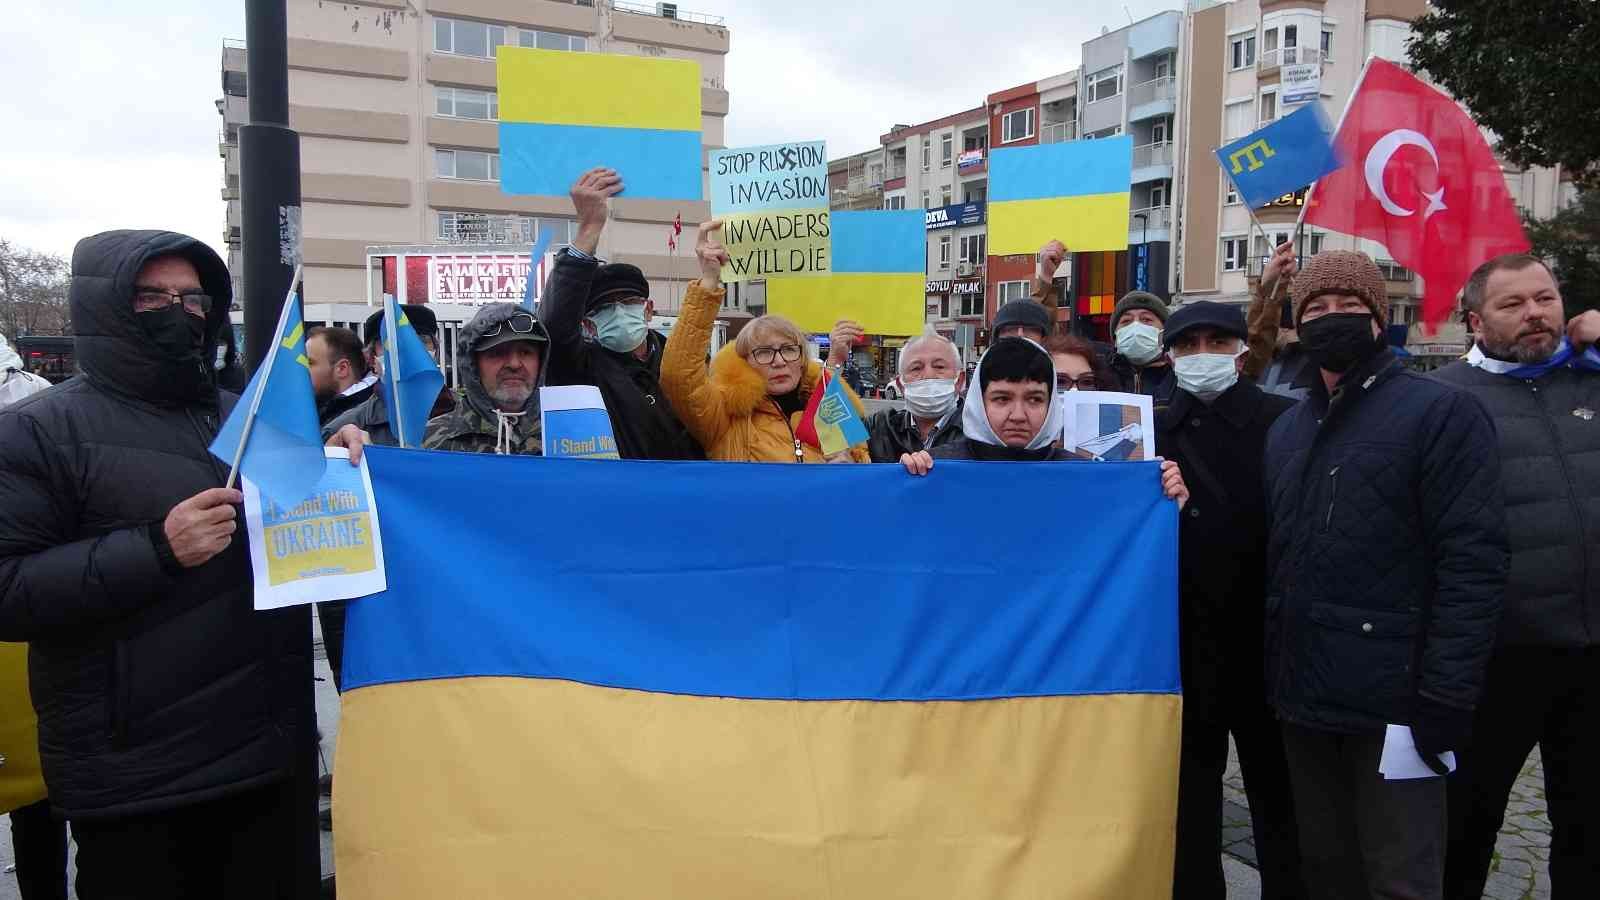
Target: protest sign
[[326, 547], [773, 203], [1300, 83], [1074, 191], [877, 276], [575, 423], [1105, 425]]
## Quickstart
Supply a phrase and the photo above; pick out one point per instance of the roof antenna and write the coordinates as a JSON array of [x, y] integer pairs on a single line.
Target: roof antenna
[[1129, 12]]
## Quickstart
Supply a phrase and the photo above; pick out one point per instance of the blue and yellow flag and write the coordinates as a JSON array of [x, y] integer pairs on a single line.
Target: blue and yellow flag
[[747, 705], [879, 276], [1281, 158], [410, 396], [276, 419], [562, 114], [1074, 191]]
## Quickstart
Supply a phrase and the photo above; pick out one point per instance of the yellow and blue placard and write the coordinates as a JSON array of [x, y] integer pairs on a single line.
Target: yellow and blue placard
[[878, 278], [773, 203], [1281, 158], [728, 712], [563, 113], [1074, 191], [283, 455]]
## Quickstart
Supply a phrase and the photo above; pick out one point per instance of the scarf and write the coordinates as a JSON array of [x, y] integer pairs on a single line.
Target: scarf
[[1565, 357]]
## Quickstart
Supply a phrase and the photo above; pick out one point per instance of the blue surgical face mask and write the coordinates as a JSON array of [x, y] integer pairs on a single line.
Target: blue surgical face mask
[[619, 327]]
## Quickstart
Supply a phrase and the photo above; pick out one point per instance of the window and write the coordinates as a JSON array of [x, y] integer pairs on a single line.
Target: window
[[1164, 67], [1233, 254], [944, 306], [1158, 132], [1016, 125], [1313, 243], [975, 192], [1327, 45], [896, 202], [925, 201], [467, 38], [467, 104], [927, 155], [550, 40], [1266, 244], [874, 174], [944, 195], [1242, 51], [475, 165], [1237, 120], [946, 151], [1158, 194], [944, 251], [1105, 84], [1007, 291], [1269, 40], [1230, 195], [1103, 133], [483, 227], [1269, 106], [972, 305], [1291, 36], [972, 247]]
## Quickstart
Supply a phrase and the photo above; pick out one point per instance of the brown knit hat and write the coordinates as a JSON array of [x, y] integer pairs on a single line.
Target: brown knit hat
[[1341, 272]]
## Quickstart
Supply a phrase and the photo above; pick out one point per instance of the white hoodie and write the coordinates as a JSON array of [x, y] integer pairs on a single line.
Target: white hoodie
[[975, 420], [14, 382]]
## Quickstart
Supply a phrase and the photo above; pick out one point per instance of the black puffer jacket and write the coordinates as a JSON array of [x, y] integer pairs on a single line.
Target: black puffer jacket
[[1550, 454], [1387, 553], [156, 687]]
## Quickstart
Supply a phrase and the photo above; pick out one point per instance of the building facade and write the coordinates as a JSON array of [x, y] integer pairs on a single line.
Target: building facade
[[396, 109]]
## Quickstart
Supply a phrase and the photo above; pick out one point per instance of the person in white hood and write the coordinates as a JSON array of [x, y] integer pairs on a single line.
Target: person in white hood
[[15, 381], [1015, 416]]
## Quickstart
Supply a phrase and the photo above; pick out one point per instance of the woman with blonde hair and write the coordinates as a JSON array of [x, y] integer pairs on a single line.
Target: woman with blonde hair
[[747, 407]]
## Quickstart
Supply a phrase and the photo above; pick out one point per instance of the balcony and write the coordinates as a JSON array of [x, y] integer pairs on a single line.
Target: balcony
[[1157, 154], [1272, 60], [1152, 99], [666, 11], [896, 171], [1159, 217], [1057, 132]]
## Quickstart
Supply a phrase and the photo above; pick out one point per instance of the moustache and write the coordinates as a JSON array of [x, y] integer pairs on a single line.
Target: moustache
[[1532, 332]]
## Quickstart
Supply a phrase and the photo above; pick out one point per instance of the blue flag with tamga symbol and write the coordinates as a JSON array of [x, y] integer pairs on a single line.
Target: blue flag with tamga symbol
[[1281, 158]]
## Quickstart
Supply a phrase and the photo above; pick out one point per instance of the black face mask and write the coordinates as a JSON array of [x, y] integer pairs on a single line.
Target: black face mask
[[176, 333], [1337, 341]]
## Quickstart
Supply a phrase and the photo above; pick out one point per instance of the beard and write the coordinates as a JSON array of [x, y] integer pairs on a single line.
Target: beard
[[511, 395], [1516, 349]]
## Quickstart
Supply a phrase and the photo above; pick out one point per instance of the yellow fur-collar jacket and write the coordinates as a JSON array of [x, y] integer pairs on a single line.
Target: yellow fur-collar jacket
[[728, 410]]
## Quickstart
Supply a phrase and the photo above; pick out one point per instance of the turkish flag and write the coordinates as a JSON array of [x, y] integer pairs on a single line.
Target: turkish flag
[[1420, 180]]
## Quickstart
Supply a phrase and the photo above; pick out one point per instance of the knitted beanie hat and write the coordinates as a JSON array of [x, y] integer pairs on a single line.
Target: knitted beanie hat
[[1341, 272], [1139, 300]]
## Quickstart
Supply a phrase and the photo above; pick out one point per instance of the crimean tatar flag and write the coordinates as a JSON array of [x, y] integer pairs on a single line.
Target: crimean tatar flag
[[879, 276], [752, 705], [563, 113], [1074, 191]]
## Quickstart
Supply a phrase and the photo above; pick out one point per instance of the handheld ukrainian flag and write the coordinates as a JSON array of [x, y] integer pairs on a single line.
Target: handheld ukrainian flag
[[1281, 158], [787, 715], [879, 276], [411, 379], [1075, 191], [530, 294], [562, 114], [272, 436]]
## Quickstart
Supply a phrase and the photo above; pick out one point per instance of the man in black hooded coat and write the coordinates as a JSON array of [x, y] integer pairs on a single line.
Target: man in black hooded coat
[[176, 724]]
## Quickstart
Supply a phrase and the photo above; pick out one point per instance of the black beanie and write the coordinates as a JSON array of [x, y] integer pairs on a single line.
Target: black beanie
[[1027, 313], [614, 281], [421, 318]]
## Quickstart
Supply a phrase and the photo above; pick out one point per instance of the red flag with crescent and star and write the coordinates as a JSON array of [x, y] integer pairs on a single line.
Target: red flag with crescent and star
[[1422, 181]]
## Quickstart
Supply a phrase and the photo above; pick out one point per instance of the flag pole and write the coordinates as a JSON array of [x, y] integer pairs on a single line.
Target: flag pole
[[1350, 101], [391, 364], [265, 372]]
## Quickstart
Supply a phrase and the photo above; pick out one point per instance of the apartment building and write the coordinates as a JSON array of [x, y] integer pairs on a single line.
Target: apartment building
[[396, 109], [856, 182]]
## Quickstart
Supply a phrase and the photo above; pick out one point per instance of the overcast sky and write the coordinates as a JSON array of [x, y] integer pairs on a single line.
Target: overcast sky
[[109, 116]]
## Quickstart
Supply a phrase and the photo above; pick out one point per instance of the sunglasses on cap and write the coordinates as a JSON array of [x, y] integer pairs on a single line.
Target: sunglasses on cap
[[521, 323]]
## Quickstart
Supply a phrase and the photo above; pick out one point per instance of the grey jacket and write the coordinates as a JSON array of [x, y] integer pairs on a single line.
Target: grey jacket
[[1549, 440], [371, 416]]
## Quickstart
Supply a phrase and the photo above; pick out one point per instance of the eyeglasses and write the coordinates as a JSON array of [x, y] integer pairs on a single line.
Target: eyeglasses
[[1085, 383], [765, 355], [521, 323], [149, 299]]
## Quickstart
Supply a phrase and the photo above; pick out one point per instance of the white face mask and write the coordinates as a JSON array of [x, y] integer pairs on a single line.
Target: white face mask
[[931, 398], [1206, 373], [1139, 342]]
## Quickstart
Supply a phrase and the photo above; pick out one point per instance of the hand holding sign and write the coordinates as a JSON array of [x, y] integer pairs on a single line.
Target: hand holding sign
[[708, 248], [843, 337], [591, 197]]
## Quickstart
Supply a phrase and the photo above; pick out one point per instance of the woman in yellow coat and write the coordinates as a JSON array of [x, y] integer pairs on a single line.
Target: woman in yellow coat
[[747, 408]]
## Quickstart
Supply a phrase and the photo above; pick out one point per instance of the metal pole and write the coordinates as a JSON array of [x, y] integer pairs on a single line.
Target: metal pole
[[269, 176]]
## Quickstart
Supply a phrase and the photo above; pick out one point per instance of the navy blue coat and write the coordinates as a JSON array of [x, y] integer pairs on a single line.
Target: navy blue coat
[[1387, 554]]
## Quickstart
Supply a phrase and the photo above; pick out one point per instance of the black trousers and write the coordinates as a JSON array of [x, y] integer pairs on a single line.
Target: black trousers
[[249, 846], [1544, 696], [1197, 874], [331, 615], [39, 841], [1362, 836]]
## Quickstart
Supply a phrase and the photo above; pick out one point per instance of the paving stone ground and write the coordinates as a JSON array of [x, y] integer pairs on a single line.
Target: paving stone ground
[[1522, 854]]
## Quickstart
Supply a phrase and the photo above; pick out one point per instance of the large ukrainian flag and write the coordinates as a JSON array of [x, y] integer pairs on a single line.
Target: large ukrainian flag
[[659, 680], [562, 114], [879, 276], [1074, 191]]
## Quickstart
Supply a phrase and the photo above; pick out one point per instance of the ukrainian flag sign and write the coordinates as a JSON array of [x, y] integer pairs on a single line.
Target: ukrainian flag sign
[[1075, 191], [748, 705], [562, 114], [879, 276]]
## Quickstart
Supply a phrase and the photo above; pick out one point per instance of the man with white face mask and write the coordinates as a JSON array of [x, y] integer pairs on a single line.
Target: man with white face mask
[[598, 317], [931, 374], [1136, 326], [1215, 428]]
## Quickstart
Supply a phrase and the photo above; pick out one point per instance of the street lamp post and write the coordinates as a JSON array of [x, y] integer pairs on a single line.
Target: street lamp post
[[269, 176]]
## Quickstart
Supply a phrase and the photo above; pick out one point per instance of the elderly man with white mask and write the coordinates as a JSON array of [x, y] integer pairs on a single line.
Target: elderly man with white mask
[[933, 381]]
